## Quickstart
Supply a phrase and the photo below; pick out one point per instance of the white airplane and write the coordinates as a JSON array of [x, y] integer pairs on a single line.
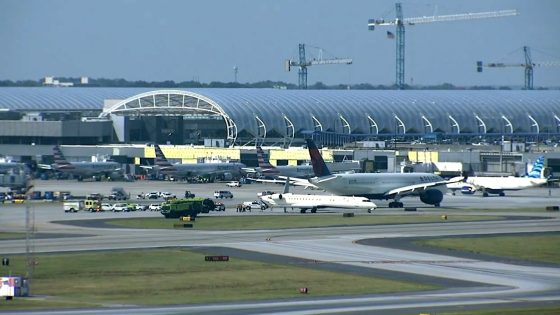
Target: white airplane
[[498, 185], [382, 186], [83, 169], [314, 202]]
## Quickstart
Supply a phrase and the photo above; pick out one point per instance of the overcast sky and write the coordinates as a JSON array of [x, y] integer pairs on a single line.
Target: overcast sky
[[203, 40]]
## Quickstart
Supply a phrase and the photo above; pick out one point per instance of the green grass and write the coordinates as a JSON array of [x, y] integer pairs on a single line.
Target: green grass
[[548, 310], [11, 235], [177, 276], [542, 248], [249, 222]]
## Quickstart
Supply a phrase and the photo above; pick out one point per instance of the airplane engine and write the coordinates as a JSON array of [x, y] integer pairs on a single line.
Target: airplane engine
[[228, 176], [280, 196], [432, 197]]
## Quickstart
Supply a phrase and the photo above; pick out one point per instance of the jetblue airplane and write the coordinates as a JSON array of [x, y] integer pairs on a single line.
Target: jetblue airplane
[[382, 186], [226, 170], [81, 170], [498, 185]]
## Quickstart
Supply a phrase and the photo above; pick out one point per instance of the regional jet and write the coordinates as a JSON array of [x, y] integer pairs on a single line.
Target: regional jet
[[382, 186], [498, 185], [314, 202], [226, 170]]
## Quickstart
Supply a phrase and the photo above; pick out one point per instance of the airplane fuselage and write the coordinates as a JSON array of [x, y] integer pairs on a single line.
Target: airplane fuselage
[[374, 185], [498, 184], [289, 200], [88, 168]]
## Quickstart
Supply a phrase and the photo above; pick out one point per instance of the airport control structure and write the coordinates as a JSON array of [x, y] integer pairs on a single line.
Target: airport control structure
[[385, 126]]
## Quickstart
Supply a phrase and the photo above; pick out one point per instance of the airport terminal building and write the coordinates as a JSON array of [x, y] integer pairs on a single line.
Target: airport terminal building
[[44, 116]]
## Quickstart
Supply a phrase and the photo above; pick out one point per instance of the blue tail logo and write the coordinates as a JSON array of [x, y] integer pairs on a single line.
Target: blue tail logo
[[319, 167], [538, 168]]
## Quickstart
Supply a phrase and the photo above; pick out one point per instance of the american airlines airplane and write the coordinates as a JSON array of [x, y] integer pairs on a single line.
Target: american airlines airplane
[[314, 202], [382, 186], [226, 170], [498, 185], [83, 169]]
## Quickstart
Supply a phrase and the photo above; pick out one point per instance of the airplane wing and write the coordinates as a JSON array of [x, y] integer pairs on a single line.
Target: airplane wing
[[293, 181], [45, 166], [420, 187], [299, 182]]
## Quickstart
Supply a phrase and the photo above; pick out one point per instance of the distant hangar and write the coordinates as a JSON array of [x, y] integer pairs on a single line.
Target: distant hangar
[[91, 115]]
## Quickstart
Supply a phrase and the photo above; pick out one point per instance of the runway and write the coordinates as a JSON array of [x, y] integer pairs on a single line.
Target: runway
[[489, 282]]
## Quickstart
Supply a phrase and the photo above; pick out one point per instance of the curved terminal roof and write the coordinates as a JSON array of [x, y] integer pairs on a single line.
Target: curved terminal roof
[[342, 111]]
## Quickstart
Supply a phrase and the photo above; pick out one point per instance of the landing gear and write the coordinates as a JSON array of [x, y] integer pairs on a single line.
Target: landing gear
[[314, 210], [484, 194], [395, 204], [302, 210], [502, 194], [370, 210]]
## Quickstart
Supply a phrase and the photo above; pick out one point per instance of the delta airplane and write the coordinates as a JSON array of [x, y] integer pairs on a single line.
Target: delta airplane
[[226, 170], [299, 171], [314, 202], [498, 185], [83, 169], [382, 186]]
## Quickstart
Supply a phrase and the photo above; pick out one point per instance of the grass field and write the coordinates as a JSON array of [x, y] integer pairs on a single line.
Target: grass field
[[177, 276], [290, 221], [545, 310], [11, 235], [542, 248]]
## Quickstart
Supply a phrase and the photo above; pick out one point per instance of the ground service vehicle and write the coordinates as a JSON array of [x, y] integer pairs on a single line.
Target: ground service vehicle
[[73, 205], [234, 184], [189, 194], [253, 205], [186, 207], [219, 206], [120, 207], [223, 194], [118, 193], [92, 205]]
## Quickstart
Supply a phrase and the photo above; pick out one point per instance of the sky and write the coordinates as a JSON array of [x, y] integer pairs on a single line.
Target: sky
[[204, 40]]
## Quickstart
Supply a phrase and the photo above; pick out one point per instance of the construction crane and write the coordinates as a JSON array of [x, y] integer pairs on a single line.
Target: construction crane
[[400, 23], [528, 65], [303, 63]]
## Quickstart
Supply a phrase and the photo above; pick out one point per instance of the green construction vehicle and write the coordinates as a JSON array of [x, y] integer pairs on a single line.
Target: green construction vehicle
[[186, 207]]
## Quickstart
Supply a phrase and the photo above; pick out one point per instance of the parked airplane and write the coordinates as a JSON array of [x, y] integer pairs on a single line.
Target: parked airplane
[[226, 170], [429, 187], [299, 171], [498, 185], [314, 202], [13, 168], [81, 170]]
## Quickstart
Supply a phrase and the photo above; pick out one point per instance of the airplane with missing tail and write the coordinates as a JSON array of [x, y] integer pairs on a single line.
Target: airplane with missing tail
[[382, 186], [225, 170], [314, 202], [499, 185], [81, 170]]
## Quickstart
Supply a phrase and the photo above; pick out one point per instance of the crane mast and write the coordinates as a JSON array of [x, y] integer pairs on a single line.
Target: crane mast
[[399, 22], [303, 63]]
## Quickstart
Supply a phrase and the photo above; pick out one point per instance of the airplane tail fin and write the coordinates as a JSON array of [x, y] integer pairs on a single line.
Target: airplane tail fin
[[161, 161], [287, 185], [319, 167], [538, 168], [60, 161], [264, 164]]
